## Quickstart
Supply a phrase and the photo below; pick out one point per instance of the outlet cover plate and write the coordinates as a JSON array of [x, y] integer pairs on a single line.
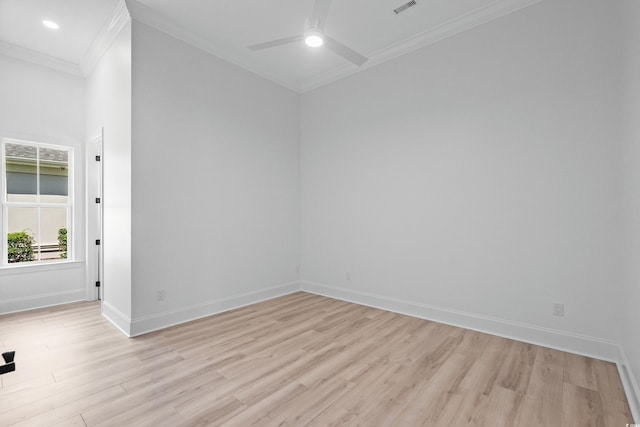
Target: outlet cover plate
[[558, 309]]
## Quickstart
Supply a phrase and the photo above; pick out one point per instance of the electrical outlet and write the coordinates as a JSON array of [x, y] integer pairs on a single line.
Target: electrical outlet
[[160, 295], [558, 309]]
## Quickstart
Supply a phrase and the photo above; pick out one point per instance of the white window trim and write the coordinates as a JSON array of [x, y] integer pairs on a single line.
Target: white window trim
[[71, 258], [38, 267]]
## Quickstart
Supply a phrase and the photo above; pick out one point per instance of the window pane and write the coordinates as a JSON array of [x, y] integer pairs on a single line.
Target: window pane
[[22, 234], [54, 175], [21, 168], [37, 177], [53, 230]]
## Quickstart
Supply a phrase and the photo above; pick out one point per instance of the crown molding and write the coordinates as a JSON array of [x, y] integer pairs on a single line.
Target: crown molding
[[493, 10], [132, 9], [38, 58], [119, 18], [489, 12], [116, 22], [151, 18]]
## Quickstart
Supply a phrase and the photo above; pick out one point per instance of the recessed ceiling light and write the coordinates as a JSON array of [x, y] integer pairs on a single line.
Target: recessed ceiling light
[[50, 24], [313, 38]]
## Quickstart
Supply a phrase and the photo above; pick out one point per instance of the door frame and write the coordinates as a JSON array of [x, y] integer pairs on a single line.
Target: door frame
[[94, 213]]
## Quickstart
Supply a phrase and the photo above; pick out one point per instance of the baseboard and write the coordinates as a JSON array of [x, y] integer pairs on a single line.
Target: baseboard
[[40, 301], [146, 324], [630, 385], [117, 318], [560, 340]]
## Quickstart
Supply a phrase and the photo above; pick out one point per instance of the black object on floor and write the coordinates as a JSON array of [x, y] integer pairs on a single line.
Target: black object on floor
[[9, 365]]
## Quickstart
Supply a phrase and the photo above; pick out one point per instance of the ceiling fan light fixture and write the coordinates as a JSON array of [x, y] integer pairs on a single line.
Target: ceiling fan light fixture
[[313, 38], [50, 24]]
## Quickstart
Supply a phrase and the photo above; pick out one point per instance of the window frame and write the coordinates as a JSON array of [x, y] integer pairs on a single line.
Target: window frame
[[5, 204]]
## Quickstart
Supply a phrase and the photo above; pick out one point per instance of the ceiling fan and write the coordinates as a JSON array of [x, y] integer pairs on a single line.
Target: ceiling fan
[[315, 36]]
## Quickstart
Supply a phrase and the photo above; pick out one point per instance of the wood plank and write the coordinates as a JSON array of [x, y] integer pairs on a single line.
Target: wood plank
[[578, 370], [581, 407], [297, 360], [542, 404]]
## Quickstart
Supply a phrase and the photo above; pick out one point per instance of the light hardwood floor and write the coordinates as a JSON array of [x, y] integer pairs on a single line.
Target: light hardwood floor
[[300, 360]]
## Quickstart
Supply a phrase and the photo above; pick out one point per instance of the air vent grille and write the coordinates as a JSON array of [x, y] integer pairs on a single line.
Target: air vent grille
[[405, 7]]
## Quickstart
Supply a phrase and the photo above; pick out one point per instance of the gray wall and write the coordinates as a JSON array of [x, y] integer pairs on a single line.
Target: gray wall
[[43, 105], [631, 294], [214, 179], [109, 106], [479, 175]]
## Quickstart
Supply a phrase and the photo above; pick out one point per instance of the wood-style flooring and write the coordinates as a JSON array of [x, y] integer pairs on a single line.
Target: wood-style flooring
[[298, 360]]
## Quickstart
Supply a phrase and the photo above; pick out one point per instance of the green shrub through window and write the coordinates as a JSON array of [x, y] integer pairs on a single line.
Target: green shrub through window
[[62, 242], [20, 247]]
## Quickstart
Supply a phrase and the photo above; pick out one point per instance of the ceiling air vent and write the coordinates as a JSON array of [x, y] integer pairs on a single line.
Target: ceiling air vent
[[405, 7]]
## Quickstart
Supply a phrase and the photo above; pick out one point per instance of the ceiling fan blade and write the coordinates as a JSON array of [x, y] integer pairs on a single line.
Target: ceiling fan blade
[[277, 42], [344, 51], [319, 13]]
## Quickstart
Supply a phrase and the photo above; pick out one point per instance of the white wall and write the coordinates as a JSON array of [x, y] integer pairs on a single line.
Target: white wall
[[478, 178], [109, 106], [43, 105], [631, 294], [215, 183]]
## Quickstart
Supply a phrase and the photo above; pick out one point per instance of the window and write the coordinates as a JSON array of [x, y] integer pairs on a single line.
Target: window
[[37, 202]]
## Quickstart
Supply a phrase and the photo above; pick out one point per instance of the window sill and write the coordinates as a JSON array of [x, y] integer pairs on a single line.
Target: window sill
[[7, 270]]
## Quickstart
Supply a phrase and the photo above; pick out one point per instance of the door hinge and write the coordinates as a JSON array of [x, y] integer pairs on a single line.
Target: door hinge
[[98, 242], [97, 199], [97, 158], [97, 284]]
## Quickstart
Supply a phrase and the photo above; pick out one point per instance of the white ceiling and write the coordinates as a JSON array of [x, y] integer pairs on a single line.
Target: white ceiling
[[80, 22], [227, 27]]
